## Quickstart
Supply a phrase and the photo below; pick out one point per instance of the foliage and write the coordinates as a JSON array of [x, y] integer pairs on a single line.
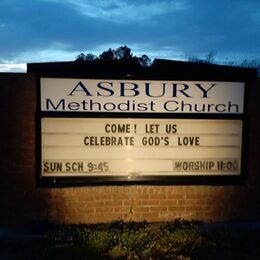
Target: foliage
[[181, 238], [121, 53], [125, 53], [145, 61], [132, 243], [88, 57], [134, 240], [119, 239]]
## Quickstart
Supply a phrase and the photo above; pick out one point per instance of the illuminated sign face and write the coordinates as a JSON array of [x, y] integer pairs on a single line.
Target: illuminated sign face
[[140, 147], [95, 130], [124, 96]]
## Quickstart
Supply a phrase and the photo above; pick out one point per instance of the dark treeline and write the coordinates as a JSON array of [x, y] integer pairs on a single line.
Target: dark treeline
[[125, 53], [121, 53]]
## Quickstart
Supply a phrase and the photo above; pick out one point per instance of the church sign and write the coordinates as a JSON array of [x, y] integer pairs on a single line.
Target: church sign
[[124, 96], [105, 130]]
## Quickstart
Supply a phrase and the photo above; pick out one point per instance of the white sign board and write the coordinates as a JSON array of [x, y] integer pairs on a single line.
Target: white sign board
[[141, 96], [140, 147]]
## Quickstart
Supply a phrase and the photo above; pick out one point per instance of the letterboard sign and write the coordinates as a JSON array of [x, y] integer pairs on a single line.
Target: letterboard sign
[[96, 130]]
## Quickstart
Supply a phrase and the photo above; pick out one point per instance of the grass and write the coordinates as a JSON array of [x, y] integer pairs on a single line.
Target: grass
[[119, 240]]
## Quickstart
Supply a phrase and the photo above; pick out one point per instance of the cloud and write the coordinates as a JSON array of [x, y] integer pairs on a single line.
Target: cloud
[[45, 55], [53, 30], [123, 11], [34, 26], [13, 67]]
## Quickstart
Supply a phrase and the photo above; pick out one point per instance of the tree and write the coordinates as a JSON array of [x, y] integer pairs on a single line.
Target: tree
[[210, 58], [253, 64], [80, 57], [121, 53], [145, 61], [90, 57], [107, 55]]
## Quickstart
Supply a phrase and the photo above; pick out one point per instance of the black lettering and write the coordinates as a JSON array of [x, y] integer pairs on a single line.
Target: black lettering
[[112, 106], [170, 129], [189, 140], [148, 90], [109, 91], [166, 141], [123, 89], [205, 91], [46, 167], [61, 103], [142, 107], [74, 106], [218, 108], [92, 104], [80, 87], [117, 128], [152, 128], [52, 167], [235, 106], [67, 166], [124, 106], [113, 140], [168, 106], [175, 89], [86, 140]]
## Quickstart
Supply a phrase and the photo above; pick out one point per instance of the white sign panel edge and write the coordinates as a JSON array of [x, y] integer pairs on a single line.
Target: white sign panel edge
[[141, 96]]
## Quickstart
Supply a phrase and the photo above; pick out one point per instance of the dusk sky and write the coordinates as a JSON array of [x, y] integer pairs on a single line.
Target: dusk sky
[[59, 30]]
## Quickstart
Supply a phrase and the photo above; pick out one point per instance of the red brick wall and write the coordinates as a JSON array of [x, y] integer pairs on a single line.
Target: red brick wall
[[21, 201]]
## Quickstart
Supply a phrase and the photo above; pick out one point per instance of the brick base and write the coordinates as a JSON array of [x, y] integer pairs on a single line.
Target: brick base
[[22, 201]]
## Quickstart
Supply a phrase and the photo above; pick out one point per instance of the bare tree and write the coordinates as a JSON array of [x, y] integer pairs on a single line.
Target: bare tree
[[210, 58]]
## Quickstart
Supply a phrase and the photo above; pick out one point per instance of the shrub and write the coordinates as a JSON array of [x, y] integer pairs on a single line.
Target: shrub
[[181, 238], [134, 243]]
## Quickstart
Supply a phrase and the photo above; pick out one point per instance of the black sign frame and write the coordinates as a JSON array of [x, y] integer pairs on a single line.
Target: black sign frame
[[44, 181]]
